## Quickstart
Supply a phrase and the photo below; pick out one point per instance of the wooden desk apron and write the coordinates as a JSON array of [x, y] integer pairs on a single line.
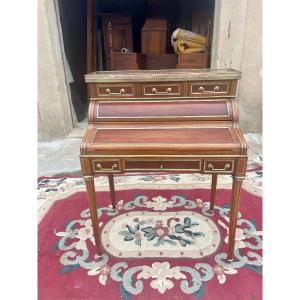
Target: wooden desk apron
[[164, 121]]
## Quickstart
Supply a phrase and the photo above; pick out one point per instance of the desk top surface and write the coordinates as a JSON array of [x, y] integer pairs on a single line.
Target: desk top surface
[[162, 75], [156, 137]]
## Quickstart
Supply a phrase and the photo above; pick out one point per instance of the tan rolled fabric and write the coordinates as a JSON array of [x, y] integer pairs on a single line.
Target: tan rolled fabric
[[185, 41]]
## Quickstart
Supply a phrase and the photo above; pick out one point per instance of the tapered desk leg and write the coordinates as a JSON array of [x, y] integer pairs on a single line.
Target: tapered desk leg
[[235, 199], [90, 187], [214, 179], [112, 189]]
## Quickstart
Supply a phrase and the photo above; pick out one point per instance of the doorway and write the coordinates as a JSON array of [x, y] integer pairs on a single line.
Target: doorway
[[83, 39]]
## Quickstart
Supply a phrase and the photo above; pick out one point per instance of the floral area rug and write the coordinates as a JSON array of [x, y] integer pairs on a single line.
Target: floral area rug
[[158, 244]]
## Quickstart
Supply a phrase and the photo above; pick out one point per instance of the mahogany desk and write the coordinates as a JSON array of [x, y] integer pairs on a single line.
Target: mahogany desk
[[164, 120]]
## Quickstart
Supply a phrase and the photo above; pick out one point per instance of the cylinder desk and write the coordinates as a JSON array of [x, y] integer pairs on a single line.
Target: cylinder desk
[[164, 121]]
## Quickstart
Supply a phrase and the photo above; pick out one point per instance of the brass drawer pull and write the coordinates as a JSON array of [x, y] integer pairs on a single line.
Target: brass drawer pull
[[114, 166], [161, 166], [168, 90], [202, 89], [216, 88], [211, 167], [108, 91]]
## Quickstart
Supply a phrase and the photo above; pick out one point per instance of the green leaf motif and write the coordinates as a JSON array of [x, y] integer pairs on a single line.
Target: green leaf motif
[[198, 234], [179, 228], [68, 268], [130, 229], [147, 229], [187, 221], [189, 233]]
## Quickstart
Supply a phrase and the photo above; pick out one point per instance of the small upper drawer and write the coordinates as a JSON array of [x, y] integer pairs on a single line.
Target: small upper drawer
[[163, 165], [211, 88], [218, 166], [164, 90], [112, 91], [103, 166]]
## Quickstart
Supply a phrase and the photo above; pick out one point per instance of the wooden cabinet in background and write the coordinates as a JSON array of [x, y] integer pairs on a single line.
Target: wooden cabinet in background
[[160, 61], [127, 61], [154, 36], [117, 34], [192, 61]]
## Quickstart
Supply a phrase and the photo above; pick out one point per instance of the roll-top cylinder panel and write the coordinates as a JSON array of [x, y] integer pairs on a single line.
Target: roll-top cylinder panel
[[200, 110]]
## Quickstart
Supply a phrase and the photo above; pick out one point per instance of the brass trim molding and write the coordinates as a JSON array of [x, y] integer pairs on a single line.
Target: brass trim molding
[[238, 178], [154, 99], [161, 155], [88, 178], [168, 117], [163, 75]]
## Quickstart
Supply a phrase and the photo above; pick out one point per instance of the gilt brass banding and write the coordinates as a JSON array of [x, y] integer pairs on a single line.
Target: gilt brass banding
[[162, 75], [187, 156], [88, 178], [187, 97], [238, 178]]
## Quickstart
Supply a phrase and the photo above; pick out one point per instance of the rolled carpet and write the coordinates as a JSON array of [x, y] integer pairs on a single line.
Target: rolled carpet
[[184, 41]]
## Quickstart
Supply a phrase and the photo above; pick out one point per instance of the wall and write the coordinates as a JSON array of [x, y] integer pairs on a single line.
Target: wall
[[54, 109], [237, 44], [250, 88]]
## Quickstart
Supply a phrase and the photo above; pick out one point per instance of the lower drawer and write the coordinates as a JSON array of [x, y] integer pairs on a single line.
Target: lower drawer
[[162, 165], [103, 166], [218, 166]]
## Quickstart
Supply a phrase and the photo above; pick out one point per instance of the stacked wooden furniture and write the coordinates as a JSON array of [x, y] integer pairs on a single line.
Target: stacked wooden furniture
[[164, 121], [154, 36], [154, 44], [117, 36]]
